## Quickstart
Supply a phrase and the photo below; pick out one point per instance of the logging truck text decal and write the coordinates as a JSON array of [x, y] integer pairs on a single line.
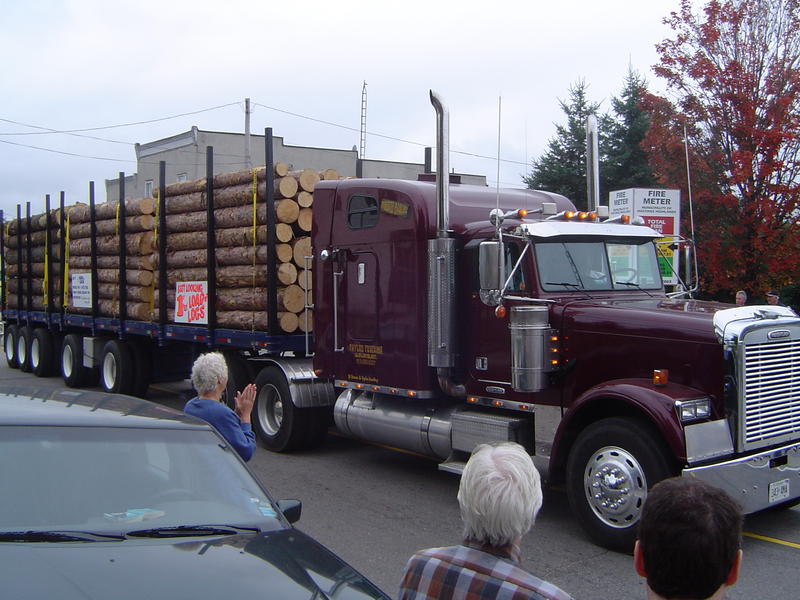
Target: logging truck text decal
[[191, 302], [365, 354]]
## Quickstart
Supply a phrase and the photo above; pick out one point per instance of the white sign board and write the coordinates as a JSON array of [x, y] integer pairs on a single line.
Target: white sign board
[[191, 302], [82, 290], [659, 209]]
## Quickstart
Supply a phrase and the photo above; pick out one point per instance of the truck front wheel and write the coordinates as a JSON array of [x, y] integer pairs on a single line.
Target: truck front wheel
[[610, 469], [280, 424]]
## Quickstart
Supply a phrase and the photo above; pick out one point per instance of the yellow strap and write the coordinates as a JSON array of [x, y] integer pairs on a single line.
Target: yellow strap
[[255, 231], [66, 264]]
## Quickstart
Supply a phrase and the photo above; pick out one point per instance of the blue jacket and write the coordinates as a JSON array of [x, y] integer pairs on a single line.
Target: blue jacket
[[226, 422]]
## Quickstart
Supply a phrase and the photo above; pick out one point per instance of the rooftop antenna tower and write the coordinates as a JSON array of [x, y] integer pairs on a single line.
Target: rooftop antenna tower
[[363, 145]]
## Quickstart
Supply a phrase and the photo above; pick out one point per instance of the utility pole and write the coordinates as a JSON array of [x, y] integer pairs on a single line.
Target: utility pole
[[248, 161], [363, 147]]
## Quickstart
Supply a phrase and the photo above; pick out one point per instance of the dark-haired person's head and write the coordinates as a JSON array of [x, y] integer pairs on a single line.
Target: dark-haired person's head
[[689, 544]]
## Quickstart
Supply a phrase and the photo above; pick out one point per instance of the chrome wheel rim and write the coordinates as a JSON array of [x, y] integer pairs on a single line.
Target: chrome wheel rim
[[615, 486], [109, 371], [270, 409]]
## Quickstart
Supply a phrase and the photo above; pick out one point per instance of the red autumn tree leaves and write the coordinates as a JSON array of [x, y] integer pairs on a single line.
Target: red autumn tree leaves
[[733, 73]]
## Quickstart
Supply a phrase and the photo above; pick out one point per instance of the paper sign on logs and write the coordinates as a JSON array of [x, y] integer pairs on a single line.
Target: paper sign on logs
[[240, 229]]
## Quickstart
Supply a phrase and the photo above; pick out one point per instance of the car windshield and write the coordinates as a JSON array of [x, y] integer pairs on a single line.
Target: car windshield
[[597, 265], [116, 480]]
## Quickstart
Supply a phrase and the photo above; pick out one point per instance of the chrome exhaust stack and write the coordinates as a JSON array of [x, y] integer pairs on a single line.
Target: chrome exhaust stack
[[442, 265]]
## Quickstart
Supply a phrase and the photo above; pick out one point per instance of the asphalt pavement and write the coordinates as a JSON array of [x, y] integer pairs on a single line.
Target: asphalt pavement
[[375, 506]]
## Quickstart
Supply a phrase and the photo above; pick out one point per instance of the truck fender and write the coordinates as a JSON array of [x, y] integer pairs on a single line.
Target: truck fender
[[305, 388], [623, 397]]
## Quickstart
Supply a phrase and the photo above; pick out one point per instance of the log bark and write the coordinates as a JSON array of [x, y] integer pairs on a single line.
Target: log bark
[[239, 177], [138, 311], [37, 239], [235, 216], [185, 187], [132, 276], [79, 213], [237, 276], [12, 255], [248, 299], [145, 263], [245, 320], [138, 244], [229, 237], [304, 219], [234, 255], [134, 224], [306, 179], [136, 293], [38, 222]]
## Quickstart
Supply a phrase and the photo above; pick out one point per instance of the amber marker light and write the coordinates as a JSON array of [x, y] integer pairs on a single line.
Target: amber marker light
[[375, 388], [592, 216], [359, 386], [318, 372], [411, 394], [522, 213], [660, 377], [497, 403], [582, 216], [472, 399], [626, 219], [569, 214], [500, 312]]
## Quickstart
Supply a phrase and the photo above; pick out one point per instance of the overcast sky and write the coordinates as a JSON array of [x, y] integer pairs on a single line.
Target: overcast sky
[[85, 64]]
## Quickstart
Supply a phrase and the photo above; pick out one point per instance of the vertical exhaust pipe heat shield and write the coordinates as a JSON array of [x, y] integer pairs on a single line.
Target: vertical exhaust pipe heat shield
[[442, 265]]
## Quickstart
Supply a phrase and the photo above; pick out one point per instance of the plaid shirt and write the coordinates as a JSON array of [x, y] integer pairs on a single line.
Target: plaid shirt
[[473, 572]]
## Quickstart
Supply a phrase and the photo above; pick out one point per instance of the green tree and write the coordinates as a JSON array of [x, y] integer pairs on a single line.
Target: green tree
[[562, 167], [625, 163]]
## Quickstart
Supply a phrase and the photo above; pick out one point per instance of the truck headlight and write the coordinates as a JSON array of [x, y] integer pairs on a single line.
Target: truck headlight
[[691, 410]]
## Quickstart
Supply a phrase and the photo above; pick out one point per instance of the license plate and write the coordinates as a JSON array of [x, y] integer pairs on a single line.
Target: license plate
[[778, 490]]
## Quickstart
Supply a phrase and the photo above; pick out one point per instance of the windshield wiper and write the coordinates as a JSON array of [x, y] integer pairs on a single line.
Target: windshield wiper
[[636, 285], [574, 286], [56, 536], [191, 531]]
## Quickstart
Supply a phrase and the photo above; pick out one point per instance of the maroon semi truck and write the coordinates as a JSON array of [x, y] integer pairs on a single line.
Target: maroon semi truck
[[449, 315]]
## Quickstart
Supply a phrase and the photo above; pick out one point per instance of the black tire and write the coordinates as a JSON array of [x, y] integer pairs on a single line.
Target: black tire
[[116, 368], [72, 370], [43, 356], [10, 346], [279, 424], [24, 339], [141, 353], [611, 466], [239, 375]]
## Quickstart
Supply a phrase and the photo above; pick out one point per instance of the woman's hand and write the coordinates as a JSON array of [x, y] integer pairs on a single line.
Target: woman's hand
[[243, 402]]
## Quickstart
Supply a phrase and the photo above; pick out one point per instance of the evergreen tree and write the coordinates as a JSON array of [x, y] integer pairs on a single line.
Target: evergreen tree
[[625, 163], [562, 168]]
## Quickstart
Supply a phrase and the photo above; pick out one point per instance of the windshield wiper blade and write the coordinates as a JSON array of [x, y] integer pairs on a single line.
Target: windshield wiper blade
[[574, 286], [191, 531], [56, 536], [636, 285]]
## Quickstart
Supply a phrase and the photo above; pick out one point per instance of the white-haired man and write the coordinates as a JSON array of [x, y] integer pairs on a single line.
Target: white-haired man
[[210, 378], [499, 496]]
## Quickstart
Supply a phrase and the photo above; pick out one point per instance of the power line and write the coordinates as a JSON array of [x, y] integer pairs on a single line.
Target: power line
[[67, 153], [186, 114]]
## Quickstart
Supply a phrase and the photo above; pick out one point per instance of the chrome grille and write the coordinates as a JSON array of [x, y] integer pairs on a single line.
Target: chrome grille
[[771, 392]]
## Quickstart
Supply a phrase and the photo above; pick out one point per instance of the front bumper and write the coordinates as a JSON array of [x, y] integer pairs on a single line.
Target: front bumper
[[756, 481]]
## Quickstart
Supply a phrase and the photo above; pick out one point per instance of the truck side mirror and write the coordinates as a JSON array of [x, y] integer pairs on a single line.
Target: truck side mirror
[[489, 265]]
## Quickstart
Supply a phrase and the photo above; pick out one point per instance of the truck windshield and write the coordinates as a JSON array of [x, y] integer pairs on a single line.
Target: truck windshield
[[597, 265]]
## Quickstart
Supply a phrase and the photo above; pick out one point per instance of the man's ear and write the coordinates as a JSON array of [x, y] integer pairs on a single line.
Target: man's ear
[[638, 560], [733, 574]]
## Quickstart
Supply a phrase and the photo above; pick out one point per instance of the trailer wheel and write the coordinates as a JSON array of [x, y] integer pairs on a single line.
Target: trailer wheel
[[116, 368], [239, 376], [24, 338], [10, 346], [610, 469], [279, 424], [42, 353], [72, 369]]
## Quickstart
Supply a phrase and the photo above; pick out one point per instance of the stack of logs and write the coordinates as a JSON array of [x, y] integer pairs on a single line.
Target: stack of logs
[[241, 253], [43, 271]]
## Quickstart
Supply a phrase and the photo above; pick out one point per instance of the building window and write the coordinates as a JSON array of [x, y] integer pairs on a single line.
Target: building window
[[362, 212], [148, 188], [182, 177]]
